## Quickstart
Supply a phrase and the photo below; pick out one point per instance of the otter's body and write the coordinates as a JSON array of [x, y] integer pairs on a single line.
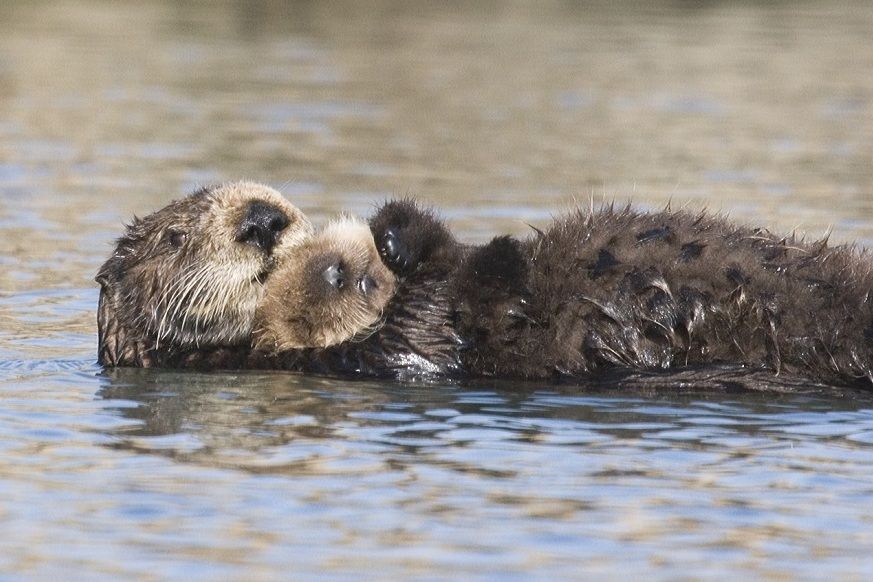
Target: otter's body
[[609, 290], [622, 289], [602, 295]]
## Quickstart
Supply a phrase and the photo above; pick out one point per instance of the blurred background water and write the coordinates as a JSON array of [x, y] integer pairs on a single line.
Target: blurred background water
[[502, 114]]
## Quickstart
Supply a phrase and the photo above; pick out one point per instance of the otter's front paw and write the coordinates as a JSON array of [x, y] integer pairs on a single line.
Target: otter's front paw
[[395, 254]]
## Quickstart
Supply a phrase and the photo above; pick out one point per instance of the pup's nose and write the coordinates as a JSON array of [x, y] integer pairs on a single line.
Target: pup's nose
[[261, 226]]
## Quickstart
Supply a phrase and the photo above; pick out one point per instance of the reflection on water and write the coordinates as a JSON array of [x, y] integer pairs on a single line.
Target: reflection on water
[[251, 417], [467, 478], [502, 113]]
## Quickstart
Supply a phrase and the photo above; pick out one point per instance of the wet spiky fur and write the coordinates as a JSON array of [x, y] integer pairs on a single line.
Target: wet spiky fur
[[620, 288], [178, 278], [613, 289]]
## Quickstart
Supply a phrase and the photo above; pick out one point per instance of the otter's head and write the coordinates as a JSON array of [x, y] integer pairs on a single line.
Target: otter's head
[[333, 290], [191, 274]]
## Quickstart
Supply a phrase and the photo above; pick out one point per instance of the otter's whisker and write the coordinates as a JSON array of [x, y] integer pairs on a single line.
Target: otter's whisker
[[179, 288], [180, 284], [202, 286], [214, 299], [190, 299], [178, 298], [170, 299]]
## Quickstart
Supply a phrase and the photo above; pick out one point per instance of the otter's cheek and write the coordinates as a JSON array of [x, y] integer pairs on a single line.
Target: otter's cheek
[[245, 266], [292, 239]]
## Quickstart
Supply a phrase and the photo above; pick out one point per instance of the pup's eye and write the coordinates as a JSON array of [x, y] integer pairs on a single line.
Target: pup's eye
[[335, 276], [177, 238], [366, 284]]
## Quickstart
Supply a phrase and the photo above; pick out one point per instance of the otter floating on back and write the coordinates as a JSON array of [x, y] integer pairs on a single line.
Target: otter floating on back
[[190, 275], [597, 295], [606, 291]]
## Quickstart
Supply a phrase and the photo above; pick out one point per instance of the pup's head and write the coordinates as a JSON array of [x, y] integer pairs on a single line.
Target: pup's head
[[333, 289]]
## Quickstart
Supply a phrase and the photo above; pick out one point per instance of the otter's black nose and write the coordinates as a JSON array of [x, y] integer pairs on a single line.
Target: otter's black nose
[[261, 226]]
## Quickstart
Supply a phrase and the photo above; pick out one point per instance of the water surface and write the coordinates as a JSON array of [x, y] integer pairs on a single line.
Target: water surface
[[502, 114]]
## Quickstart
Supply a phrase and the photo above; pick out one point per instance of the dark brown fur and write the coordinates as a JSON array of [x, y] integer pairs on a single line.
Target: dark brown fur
[[623, 289]]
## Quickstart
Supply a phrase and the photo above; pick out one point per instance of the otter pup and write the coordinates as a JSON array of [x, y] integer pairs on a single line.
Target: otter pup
[[191, 274], [642, 291], [333, 290]]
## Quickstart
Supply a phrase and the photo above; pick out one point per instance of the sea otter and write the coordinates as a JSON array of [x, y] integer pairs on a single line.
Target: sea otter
[[607, 291], [413, 335], [600, 295], [332, 290], [190, 275]]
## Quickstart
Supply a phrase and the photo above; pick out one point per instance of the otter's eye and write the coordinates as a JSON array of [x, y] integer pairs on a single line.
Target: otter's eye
[[335, 276], [177, 238], [367, 284]]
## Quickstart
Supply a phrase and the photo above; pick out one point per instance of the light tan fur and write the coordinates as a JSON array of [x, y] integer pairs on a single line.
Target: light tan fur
[[302, 309], [225, 284]]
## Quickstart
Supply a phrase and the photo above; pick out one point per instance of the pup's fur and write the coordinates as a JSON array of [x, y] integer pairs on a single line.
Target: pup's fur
[[619, 288], [333, 290]]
